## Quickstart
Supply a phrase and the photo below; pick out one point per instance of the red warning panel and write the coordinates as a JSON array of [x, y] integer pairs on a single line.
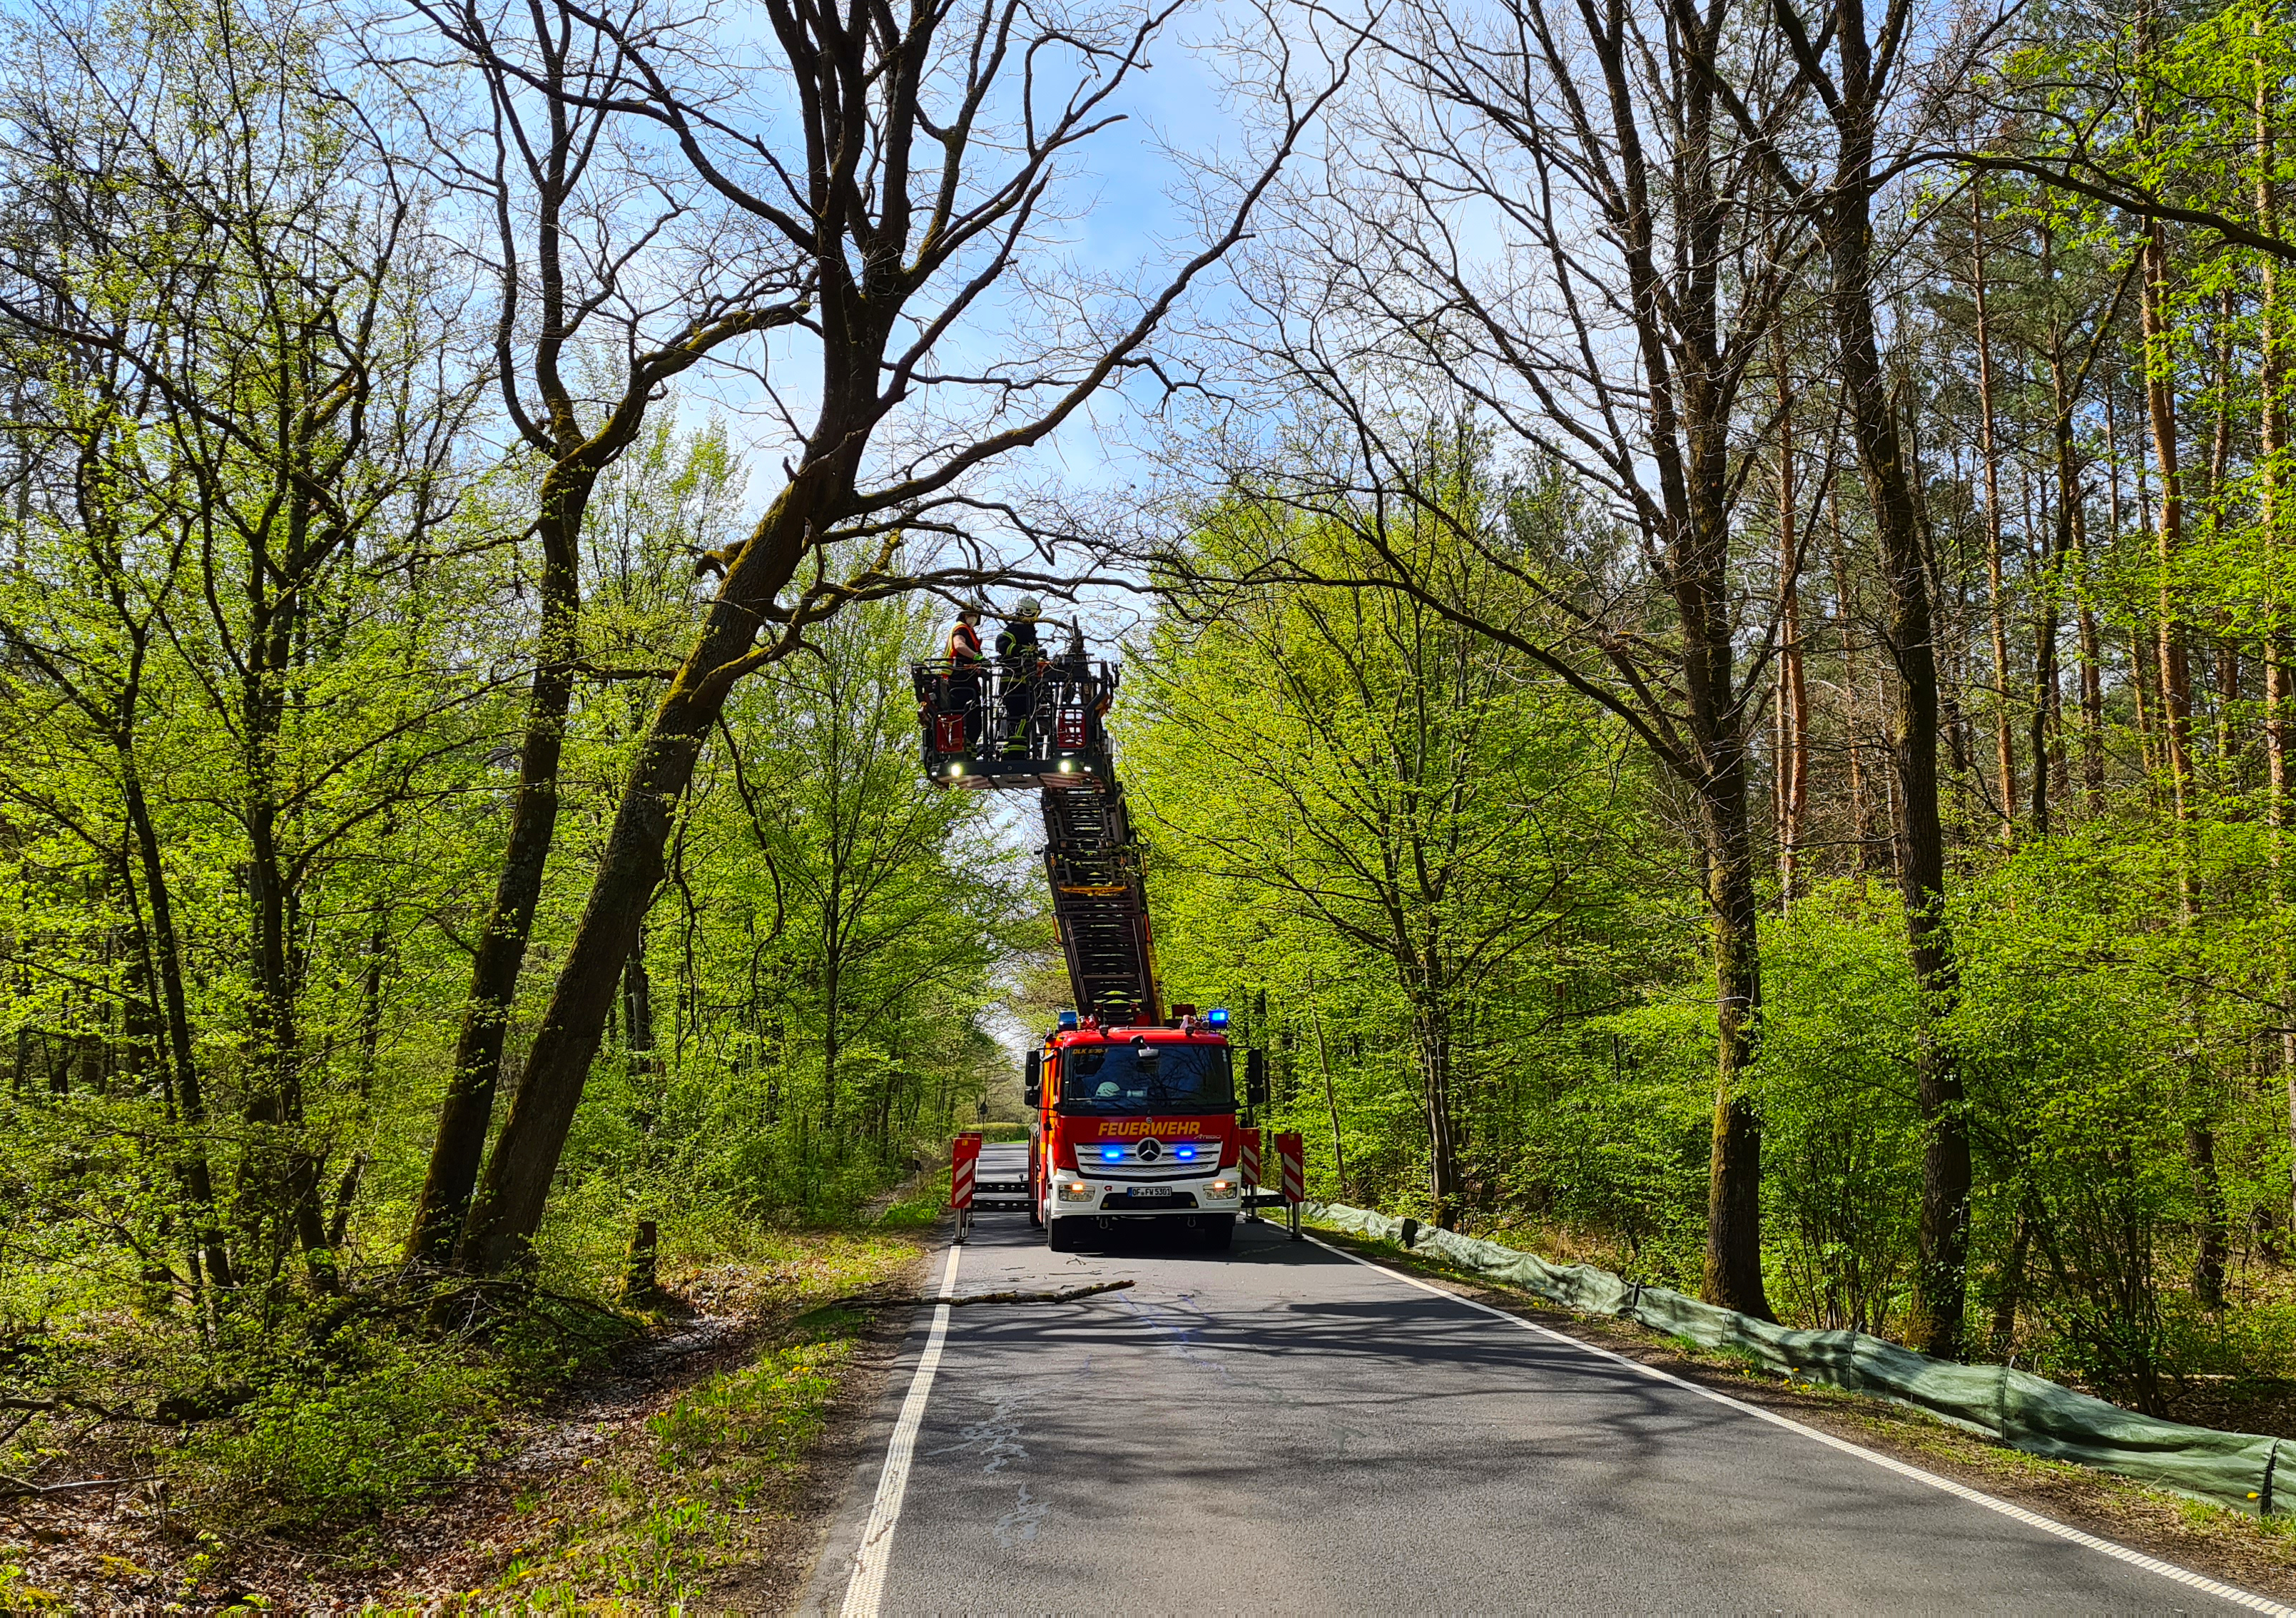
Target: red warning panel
[[1248, 1172], [964, 1154], [1294, 1158]]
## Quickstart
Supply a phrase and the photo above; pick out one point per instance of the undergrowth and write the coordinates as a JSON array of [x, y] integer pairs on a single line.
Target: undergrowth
[[719, 1466]]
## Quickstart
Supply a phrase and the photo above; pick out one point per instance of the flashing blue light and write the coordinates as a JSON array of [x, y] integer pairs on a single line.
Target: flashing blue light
[[1068, 1022], [1112, 1154], [1184, 1153], [1217, 1016]]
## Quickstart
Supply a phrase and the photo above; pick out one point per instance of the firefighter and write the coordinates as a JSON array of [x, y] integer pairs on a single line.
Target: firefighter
[[1022, 661], [965, 663]]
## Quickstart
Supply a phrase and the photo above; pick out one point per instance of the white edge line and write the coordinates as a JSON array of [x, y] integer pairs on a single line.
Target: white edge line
[[2031, 1519], [867, 1587]]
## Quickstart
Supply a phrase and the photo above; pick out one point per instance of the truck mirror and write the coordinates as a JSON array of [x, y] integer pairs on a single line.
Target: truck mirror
[[1255, 1078], [1032, 1086]]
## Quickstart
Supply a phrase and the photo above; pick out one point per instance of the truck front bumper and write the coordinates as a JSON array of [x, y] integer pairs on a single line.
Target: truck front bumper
[[1103, 1199]]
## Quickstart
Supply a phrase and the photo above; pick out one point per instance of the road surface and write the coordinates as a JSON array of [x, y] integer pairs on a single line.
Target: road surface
[[1282, 1429]]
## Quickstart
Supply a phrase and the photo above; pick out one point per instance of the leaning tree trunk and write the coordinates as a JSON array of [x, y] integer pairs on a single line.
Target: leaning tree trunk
[[498, 1233], [459, 1145]]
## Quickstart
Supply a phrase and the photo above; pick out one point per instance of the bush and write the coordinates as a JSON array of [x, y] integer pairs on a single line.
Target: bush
[[321, 1445]]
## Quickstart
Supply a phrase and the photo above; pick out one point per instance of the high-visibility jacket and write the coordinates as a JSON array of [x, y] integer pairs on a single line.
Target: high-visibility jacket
[[964, 645]]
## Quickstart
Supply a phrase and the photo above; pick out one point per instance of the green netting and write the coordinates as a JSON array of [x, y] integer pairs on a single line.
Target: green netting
[[2017, 1408]]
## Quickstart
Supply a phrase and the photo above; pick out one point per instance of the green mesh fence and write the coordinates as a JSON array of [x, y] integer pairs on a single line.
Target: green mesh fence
[[2017, 1408]]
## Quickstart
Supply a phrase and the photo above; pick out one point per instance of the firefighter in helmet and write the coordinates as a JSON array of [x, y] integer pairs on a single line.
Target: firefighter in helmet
[[1021, 662], [966, 664]]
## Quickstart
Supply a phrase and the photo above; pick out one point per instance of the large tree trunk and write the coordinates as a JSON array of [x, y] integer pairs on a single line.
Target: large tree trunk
[[459, 1145], [1734, 1195], [498, 1233], [1941, 1280]]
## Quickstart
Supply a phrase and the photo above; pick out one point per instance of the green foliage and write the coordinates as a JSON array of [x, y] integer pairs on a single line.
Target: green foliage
[[1840, 1131], [720, 1470], [1412, 863], [328, 1445], [266, 628]]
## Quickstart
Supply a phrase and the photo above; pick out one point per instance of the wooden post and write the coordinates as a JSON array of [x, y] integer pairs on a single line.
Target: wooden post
[[640, 1284]]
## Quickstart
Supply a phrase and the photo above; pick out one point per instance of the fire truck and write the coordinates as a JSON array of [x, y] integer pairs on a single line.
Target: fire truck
[[1132, 1106]]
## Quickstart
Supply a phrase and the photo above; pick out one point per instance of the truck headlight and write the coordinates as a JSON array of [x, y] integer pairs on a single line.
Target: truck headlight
[[1223, 1188], [1075, 1190]]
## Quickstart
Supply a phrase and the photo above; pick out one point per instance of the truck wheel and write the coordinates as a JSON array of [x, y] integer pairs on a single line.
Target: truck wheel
[[1219, 1232], [1060, 1235]]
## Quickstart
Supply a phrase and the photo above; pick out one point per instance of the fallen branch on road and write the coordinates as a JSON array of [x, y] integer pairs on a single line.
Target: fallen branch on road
[[1068, 1296], [880, 1300]]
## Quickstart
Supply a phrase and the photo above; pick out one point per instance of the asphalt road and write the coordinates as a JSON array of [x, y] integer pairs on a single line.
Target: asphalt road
[[1281, 1428]]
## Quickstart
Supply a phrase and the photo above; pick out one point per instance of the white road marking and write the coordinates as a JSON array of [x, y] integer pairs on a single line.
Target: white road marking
[[867, 1588], [2031, 1519]]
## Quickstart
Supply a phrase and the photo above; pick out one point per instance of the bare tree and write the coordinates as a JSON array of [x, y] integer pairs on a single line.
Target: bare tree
[[910, 162], [1823, 146], [1610, 335]]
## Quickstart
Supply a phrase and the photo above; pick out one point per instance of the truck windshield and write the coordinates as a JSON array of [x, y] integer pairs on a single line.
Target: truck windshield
[[1113, 1079]]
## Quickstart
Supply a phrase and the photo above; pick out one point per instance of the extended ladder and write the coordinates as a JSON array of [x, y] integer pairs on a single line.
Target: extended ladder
[[1060, 747]]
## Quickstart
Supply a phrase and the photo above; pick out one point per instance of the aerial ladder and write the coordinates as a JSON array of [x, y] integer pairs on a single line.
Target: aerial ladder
[[1133, 1116], [1056, 746]]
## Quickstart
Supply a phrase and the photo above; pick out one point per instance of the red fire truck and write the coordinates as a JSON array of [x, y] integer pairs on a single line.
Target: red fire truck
[[1137, 1122], [1133, 1114]]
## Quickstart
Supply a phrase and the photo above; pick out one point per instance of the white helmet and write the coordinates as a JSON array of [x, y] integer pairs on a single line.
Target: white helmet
[[1028, 606]]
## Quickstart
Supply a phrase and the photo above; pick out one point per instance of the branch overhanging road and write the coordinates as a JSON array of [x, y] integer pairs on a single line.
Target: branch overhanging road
[[1286, 1428]]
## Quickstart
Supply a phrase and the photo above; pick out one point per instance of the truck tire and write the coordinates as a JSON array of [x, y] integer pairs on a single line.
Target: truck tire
[[1060, 1235], [1219, 1232]]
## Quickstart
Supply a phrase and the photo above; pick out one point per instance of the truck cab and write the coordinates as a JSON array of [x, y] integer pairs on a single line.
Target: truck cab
[[1132, 1123]]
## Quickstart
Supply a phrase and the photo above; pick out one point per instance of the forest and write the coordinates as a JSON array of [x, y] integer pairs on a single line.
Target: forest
[[1710, 661]]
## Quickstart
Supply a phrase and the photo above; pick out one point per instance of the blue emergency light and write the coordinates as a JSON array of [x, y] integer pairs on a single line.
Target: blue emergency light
[[1217, 1016], [1068, 1022], [1112, 1154], [1184, 1153]]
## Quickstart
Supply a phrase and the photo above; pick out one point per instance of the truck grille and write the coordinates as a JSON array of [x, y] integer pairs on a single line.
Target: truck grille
[[1155, 1164]]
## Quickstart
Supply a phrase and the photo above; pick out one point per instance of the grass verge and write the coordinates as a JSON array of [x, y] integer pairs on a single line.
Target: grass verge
[[406, 1474]]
